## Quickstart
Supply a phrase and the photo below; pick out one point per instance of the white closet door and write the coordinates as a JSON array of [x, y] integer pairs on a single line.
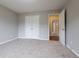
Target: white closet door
[[28, 27], [32, 27], [35, 26]]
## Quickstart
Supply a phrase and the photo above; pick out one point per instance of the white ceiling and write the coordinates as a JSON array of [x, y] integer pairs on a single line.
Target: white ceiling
[[22, 6]]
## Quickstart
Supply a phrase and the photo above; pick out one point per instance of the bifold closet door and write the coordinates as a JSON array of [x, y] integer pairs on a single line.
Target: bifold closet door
[[32, 27]]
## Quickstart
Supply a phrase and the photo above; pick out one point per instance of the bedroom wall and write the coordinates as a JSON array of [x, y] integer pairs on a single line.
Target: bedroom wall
[[8, 24], [72, 35], [43, 23]]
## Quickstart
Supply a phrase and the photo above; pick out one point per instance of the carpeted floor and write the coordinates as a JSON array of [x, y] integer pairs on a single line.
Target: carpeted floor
[[22, 48]]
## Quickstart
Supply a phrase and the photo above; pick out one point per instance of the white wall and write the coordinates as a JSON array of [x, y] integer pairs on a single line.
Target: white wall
[[43, 23], [73, 25], [8, 24]]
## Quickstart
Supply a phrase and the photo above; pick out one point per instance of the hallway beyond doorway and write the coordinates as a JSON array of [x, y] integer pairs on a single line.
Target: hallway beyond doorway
[[53, 20]]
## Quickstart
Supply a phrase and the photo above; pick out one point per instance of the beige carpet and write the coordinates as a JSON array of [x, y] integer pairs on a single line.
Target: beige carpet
[[22, 48]]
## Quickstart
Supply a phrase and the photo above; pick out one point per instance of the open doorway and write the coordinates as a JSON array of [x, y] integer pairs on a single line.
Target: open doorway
[[53, 27], [57, 27]]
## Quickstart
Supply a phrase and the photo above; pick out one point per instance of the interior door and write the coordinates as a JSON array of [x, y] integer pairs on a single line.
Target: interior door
[[62, 28], [35, 26], [32, 27], [28, 27]]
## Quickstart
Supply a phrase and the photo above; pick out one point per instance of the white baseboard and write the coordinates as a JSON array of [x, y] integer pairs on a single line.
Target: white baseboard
[[73, 51], [27, 38], [8, 41], [32, 38]]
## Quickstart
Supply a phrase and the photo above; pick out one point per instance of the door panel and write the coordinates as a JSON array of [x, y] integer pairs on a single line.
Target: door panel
[[28, 27], [62, 27], [32, 27], [35, 26]]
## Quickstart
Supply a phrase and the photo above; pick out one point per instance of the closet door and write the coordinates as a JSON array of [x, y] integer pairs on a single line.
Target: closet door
[[32, 27], [35, 26], [28, 27]]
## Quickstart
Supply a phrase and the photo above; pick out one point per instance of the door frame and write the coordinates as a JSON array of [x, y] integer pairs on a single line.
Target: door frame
[[48, 24]]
